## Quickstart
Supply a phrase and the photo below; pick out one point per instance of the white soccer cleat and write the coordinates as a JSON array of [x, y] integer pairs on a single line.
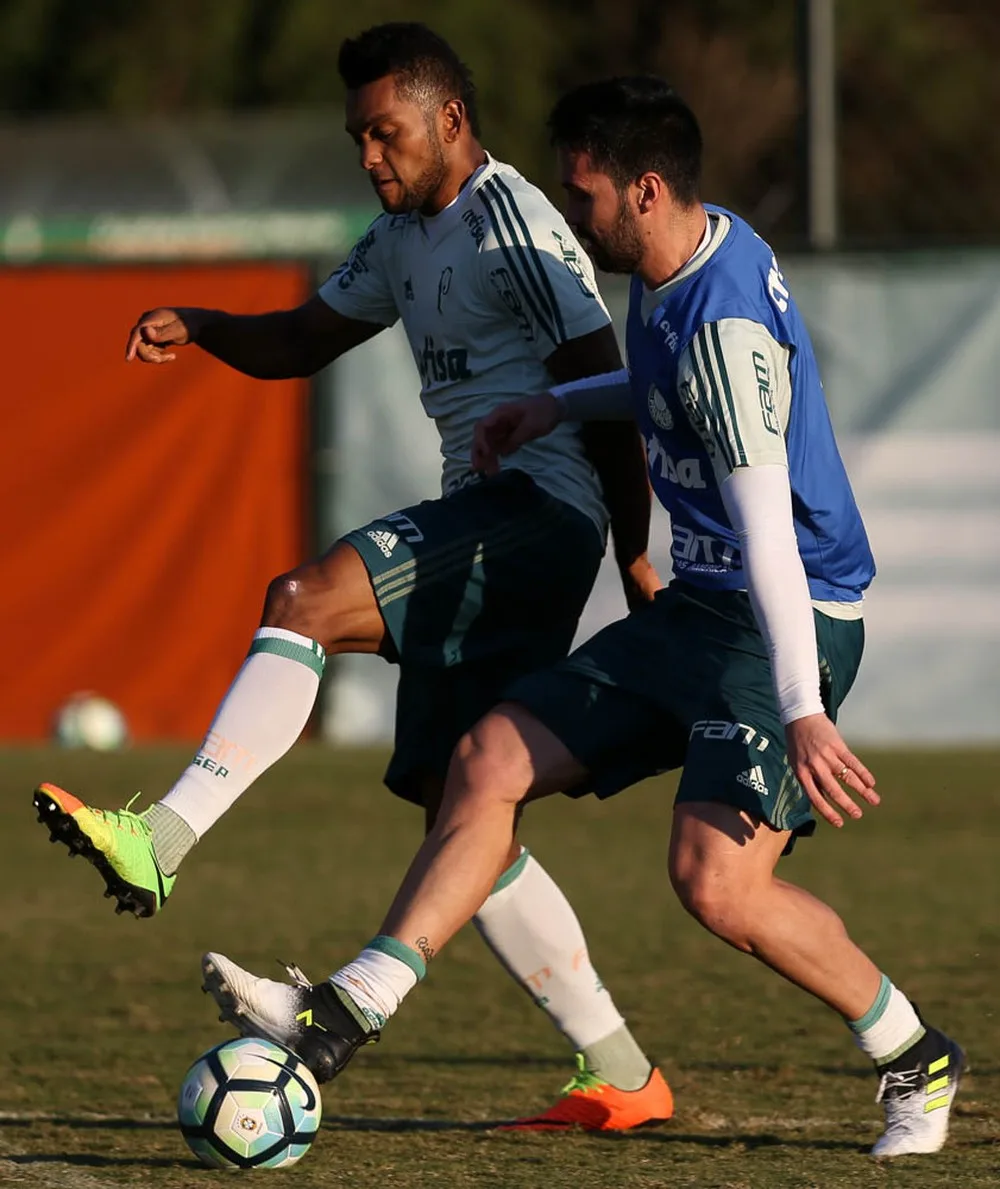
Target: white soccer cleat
[[917, 1101], [256, 1006], [322, 1025]]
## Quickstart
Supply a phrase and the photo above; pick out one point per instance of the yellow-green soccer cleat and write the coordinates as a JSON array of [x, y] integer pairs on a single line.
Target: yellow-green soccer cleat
[[118, 842]]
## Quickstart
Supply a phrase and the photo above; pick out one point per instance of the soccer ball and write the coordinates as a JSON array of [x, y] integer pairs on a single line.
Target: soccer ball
[[249, 1103], [88, 720]]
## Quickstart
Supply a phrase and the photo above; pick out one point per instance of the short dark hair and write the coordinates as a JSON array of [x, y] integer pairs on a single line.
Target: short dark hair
[[423, 64], [631, 125]]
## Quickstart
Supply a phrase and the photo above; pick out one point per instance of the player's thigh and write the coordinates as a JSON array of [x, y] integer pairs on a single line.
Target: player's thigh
[[720, 853], [510, 754], [601, 705], [476, 590], [736, 750], [493, 568], [436, 707]]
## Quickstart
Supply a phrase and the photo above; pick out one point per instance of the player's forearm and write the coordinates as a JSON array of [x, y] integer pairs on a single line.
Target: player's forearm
[[759, 505], [597, 398], [265, 346], [616, 452]]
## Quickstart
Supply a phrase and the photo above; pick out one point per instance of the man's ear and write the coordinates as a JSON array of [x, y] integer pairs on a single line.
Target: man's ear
[[651, 190], [453, 118]]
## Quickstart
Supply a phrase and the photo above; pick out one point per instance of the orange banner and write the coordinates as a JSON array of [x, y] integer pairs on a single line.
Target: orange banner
[[145, 508]]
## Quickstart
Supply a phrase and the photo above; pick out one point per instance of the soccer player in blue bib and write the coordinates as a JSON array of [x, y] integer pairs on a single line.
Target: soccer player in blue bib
[[736, 670]]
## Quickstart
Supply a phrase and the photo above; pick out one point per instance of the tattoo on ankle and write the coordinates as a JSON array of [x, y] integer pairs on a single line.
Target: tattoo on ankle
[[425, 947]]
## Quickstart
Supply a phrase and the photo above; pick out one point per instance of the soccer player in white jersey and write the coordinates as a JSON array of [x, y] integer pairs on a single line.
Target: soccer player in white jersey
[[736, 670], [466, 592]]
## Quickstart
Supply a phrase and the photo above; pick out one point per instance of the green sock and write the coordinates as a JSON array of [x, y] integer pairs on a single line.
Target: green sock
[[172, 837], [617, 1059]]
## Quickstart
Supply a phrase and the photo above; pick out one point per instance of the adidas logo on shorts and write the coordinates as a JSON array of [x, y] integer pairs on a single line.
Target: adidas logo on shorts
[[753, 778], [385, 540]]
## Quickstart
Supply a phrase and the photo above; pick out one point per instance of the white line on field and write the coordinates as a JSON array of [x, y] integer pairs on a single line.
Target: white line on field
[[708, 1120], [51, 1174], [86, 1116]]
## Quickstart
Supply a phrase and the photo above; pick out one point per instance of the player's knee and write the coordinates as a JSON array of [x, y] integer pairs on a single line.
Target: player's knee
[[487, 766], [712, 898], [301, 602], [284, 602]]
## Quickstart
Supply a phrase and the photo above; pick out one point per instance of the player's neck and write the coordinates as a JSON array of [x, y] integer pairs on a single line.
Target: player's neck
[[671, 245], [461, 169]]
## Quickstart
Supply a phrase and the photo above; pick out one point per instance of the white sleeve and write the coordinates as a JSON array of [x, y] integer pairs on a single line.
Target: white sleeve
[[758, 501], [360, 287], [734, 382], [607, 397], [537, 271]]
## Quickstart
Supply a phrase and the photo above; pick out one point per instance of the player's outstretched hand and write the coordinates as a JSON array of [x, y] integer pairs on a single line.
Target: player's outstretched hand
[[157, 330], [829, 772], [507, 427]]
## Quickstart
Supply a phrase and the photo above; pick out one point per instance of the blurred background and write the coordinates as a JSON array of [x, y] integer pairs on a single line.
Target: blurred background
[[198, 157]]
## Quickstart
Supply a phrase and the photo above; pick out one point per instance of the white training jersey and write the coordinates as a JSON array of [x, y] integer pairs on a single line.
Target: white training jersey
[[487, 290]]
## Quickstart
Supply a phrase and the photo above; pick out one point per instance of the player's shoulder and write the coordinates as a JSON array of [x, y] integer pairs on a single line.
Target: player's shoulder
[[382, 231], [514, 208]]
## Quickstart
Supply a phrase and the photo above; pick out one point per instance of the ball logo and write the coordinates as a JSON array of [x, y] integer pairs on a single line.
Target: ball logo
[[248, 1123], [658, 409]]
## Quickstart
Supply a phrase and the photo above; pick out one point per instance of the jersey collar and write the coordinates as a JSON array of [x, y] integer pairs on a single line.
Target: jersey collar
[[719, 226], [436, 227]]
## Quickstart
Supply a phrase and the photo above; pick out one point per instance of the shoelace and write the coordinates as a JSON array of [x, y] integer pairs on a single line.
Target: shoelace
[[899, 1083], [295, 973], [122, 818], [583, 1080]]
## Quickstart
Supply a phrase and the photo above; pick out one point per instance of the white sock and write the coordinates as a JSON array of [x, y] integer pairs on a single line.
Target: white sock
[[530, 926], [380, 977], [261, 716], [889, 1027]]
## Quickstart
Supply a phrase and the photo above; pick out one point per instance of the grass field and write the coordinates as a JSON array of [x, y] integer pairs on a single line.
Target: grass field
[[100, 1016]]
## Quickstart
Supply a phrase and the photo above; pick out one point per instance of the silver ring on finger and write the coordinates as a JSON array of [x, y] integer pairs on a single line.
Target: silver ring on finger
[[843, 772]]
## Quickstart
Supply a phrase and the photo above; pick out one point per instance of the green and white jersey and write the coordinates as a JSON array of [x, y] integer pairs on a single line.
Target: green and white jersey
[[487, 290]]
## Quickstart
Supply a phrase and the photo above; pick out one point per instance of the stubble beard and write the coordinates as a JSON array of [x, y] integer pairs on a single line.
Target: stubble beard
[[431, 178], [620, 251]]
